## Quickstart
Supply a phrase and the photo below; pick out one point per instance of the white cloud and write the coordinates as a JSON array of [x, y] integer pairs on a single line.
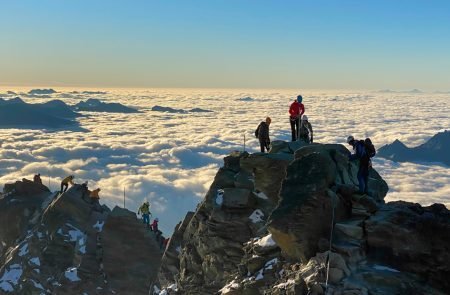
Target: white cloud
[[171, 159]]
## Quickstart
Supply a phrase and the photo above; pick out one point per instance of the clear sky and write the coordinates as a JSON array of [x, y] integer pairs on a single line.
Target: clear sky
[[256, 44]]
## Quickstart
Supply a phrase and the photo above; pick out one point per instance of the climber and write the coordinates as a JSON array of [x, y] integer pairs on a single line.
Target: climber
[[262, 133], [65, 183], [296, 110], [305, 132], [154, 225], [84, 190], [145, 210], [37, 178], [95, 200], [364, 160]]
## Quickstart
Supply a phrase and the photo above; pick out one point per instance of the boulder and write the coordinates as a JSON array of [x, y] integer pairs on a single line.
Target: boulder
[[412, 238]]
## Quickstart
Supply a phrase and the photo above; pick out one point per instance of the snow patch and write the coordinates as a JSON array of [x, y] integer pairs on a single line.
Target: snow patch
[[261, 195], [233, 285], [35, 261], [37, 285], [11, 278], [72, 274], [266, 241], [257, 216], [381, 267], [219, 197], [284, 285], [99, 226], [23, 250]]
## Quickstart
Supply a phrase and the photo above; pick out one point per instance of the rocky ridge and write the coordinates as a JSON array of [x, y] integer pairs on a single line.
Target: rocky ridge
[[291, 222], [61, 244]]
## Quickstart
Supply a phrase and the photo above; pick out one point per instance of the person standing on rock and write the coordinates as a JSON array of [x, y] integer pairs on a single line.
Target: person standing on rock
[[296, 110], [154, 225], [305, 132], [364, 161], [37, 178], [145, 210], [65, 183], [262, 133], [95, 200]]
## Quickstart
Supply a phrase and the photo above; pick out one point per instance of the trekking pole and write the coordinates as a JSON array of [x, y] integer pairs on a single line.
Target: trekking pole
[[244, 142]]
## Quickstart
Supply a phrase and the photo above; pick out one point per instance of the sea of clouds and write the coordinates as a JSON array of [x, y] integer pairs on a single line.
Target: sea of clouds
[[171, 158]]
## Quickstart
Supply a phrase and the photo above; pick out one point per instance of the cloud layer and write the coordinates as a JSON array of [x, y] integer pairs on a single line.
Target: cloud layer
[[171, 158]]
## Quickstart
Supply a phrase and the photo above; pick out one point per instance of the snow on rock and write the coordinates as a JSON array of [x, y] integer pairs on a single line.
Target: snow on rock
[[284, 285], [99, 226], [233, 285], [37, 285], [266, 241], [35, 261], [219, 198], [72, 274], [261, 195], [381, 267], [257, 216], [269, 264], [23, 250], [11, 278]]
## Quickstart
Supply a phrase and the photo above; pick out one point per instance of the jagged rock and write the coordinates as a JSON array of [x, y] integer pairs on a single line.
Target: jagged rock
[[25, 188], [307, 197], [67, 246], [236, 198], [268, 171], [412, 238]]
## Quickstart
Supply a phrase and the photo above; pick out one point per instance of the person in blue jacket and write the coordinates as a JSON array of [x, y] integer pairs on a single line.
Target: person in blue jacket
[[364, 161]]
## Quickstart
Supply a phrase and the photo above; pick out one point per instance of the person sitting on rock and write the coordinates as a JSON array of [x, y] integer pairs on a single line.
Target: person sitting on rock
[[262, 133], [296, 110], [364, 160], [37, 178], [145, 210], [65, 183], [305, 132], [154, 225]]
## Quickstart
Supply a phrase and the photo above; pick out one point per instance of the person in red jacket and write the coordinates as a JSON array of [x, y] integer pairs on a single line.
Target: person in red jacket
[[154, 225], [295, 113]]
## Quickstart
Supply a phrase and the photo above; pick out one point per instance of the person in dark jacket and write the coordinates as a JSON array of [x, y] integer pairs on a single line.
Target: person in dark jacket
[[306, 131], [296, 111], [364, 160], [263, 134]]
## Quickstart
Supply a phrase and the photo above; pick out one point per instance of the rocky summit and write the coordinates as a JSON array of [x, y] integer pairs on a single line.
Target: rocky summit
[[291, 222], [287, 222], [62, 244]]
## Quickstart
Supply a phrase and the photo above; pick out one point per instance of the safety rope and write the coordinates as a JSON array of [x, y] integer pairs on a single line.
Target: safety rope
[[333, 204]]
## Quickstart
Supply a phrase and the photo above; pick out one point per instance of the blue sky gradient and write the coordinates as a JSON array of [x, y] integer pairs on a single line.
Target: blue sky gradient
[[254, 44]]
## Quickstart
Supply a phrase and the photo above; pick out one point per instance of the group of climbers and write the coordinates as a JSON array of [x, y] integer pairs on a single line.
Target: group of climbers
[[301, 129], [144, 209]]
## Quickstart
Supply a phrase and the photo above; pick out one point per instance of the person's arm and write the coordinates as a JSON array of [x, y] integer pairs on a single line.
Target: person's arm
[[302, 109], [357, 154]]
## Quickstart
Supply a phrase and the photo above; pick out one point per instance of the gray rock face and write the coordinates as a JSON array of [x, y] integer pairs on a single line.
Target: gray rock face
[[279, 242]]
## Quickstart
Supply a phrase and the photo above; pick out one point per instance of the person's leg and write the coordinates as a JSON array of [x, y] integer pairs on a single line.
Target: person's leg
[[262, 144], [361, 180], [146, 219], [62, 186], [366, 181], [294, 132]]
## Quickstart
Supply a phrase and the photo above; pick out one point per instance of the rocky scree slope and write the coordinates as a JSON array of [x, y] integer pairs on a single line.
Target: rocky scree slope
[[268, 222], [60, 244]]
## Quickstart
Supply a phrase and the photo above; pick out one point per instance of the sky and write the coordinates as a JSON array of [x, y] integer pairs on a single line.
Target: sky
[[226, 44]]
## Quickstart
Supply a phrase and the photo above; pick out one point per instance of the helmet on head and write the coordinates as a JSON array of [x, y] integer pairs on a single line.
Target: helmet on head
[[71, 176], [268, 120], [350, 139], [156, 219], [299, 98], [304, 118]]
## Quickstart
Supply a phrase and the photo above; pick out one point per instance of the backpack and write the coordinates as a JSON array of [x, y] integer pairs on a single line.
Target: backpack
[[369, 147], [257, 131]]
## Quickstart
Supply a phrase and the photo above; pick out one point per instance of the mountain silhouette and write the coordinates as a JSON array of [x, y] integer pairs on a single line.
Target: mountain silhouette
[[434, 150]]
